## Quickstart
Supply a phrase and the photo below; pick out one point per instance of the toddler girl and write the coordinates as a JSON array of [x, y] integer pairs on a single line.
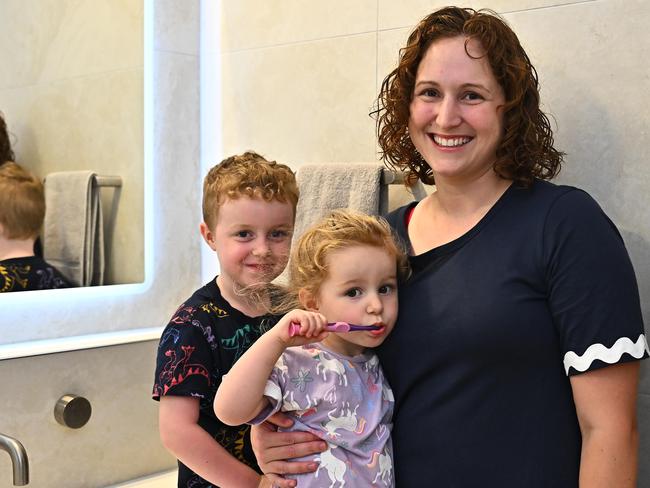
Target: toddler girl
[[344, 269]]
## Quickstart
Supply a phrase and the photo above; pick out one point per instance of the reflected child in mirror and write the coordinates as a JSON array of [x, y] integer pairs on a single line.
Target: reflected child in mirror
[[249, 207], [22, 210], [344, 269]]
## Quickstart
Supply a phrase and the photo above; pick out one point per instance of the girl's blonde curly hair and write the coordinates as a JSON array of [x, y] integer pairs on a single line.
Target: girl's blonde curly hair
[[341, 229]]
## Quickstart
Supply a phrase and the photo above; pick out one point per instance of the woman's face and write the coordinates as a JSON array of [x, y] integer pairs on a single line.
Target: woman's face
[[456, 116]]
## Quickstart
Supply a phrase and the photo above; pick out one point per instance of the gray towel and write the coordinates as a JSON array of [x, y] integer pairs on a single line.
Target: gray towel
[[73, 230], [325, 187]]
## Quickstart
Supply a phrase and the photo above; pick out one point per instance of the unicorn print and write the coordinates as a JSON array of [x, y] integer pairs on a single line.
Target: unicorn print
[[347, 421], [334, 466], [333, 365], [385, 472]]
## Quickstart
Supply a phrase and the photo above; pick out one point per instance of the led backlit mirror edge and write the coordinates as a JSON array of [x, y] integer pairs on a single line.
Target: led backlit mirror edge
[[51, 298]]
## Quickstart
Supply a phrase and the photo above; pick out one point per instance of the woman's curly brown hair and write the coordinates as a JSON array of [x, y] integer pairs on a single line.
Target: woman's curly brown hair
[[526, 151]]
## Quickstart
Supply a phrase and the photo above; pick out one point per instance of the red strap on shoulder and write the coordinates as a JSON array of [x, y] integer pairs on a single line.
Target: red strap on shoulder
[[408, 215]]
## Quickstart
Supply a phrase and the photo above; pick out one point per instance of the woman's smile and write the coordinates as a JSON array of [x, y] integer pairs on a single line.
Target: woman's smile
[[449, 141]]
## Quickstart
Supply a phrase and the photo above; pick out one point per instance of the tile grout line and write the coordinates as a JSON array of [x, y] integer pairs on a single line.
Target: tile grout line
[[505, 12], [377, 29], [295, 43]]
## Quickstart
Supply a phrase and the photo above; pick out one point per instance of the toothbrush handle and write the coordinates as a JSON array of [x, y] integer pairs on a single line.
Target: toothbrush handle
[[294, 328]]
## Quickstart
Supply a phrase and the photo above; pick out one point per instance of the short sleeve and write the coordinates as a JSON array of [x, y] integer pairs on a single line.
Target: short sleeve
[[184, 359], [273, 393], [593, 294]]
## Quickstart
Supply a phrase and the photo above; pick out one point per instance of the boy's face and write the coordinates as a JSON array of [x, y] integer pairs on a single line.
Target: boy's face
[[252, 239]]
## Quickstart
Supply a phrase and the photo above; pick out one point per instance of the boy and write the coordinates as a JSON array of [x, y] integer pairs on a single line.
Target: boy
[[249, 209], [22, 210]]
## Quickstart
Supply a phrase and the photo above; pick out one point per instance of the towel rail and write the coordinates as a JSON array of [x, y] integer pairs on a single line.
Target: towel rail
[[389, 177], [114, 181]]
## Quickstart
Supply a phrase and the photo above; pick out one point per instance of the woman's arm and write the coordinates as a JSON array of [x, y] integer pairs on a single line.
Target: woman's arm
[[240, 397], [195, 448], [605, 401]]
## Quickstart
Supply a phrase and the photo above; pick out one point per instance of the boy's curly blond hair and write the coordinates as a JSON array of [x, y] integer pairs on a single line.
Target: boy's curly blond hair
[[247, 174], [22, 202]]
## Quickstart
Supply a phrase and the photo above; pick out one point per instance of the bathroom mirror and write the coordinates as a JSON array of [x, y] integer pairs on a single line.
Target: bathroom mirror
[[76, 91], [72, 94]]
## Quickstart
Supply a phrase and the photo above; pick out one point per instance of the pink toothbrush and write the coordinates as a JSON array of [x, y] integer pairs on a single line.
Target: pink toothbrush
[[336, 327]]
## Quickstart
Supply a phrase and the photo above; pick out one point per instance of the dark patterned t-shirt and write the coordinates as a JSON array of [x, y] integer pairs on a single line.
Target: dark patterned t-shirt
[[30, 273], [199, 345]]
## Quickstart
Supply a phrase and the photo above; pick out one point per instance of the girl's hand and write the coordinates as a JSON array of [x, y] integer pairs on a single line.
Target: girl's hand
[[312, 327]]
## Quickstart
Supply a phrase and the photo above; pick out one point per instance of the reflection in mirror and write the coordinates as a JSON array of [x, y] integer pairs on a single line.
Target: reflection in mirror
[[22, 209], [71, 91]]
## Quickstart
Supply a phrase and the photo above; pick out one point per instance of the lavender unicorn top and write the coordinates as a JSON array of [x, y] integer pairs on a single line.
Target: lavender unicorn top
[[345, 401]]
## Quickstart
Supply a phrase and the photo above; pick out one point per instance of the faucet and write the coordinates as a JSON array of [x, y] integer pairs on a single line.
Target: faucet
[[18, 459]]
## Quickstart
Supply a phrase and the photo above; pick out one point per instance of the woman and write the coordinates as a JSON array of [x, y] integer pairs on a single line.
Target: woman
[[514, 359]]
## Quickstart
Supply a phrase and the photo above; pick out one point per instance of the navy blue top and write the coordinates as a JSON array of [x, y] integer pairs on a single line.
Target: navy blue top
[[491, 325]]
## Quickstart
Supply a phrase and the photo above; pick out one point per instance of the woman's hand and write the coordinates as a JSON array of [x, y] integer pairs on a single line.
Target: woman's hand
[[266, 482], [274, 450]]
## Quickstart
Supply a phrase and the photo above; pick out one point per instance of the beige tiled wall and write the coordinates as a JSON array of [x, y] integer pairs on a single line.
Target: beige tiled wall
[[301, 77], [250, 24], [301, 101], [393, 14]]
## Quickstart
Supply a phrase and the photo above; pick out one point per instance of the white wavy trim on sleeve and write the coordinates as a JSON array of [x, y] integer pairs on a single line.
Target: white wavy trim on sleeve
[[273, 391], [607, 355]]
